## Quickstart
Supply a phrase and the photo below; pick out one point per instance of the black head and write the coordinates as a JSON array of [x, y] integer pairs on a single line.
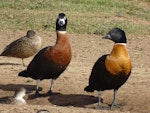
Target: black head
[[61, 22], [117, 35], [30, 33]]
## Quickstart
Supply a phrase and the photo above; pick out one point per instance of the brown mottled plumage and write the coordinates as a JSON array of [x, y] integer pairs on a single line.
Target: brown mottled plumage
[[23, 47], [51, 61], [16, 99], [111, 71]]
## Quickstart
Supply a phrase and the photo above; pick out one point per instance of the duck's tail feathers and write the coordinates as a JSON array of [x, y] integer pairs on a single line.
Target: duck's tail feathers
[[88, 89], [24, 73]]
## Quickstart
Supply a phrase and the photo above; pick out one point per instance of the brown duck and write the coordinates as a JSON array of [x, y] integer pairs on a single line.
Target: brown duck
[[51, 61], [23, 47], [111, 71]]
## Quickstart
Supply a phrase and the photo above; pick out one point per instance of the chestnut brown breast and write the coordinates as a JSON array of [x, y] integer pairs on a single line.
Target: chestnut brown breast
[[61, 52], [118, 61]]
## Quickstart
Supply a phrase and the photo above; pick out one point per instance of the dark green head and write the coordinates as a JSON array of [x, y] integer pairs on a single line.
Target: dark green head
[[117, 35]]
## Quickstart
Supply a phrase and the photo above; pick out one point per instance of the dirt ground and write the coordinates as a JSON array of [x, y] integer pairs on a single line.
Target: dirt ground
[[69, 95]]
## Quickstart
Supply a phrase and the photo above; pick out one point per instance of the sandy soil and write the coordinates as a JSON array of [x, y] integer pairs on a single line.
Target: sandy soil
[[69, 95]]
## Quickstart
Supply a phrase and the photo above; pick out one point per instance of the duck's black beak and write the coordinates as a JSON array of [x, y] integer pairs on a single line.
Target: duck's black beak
[[107, 37]]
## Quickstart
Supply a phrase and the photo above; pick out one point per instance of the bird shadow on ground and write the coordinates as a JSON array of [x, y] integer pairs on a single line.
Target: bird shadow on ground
[[76, 100], [10, 64], [13, 87]]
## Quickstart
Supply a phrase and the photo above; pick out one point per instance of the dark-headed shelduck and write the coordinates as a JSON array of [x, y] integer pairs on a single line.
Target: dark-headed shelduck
[[51, 61], [111, 71], [23, 47]]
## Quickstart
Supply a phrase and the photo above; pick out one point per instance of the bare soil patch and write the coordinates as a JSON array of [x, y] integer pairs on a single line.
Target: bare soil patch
[[69, 95]]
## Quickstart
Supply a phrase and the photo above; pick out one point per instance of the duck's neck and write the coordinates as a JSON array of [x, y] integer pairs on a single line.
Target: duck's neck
[[121, 44], [20, 98], [61, 32], [62, 38], [119, 49]]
